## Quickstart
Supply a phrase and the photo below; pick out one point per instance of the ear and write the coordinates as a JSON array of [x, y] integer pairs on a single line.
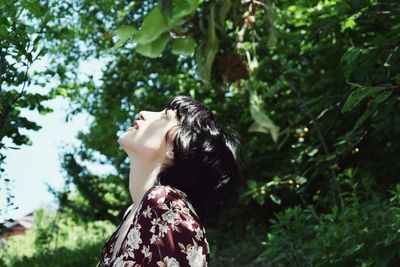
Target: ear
[[170, 154]]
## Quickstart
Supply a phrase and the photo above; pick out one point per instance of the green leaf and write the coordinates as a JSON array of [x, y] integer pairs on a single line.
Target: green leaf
[[223, 9], [357, 96], [183, 46], [275, 199], [166, 7], [251, 184], [36, 41], [350, 60], [181, 9], [353, 249], [371, 111], [63, 92], [312, 152], [124, 33], [207, 49], [262, 123], [47, 17], [3, 32], [155, 48], [185, 7], [34, 7], [379, 98], [259, 198], [350, 22], [270, 129], [154, 24], [301, 179]]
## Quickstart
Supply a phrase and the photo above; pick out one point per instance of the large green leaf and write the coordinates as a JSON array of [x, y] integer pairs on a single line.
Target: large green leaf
[[154, 24], [155, 48], [184, 46], [223, 9], [184, 7], [124, 33], [207, 48], [357, 96], [369, 112], [166, 7], [350, 60], [262, 122], [181, 9]]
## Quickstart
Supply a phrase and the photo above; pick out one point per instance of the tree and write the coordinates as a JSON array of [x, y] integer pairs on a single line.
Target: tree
[[22, 25]]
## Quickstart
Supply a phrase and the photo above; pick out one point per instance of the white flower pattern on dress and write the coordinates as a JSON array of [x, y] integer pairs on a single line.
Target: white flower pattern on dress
[[196, 257], [146, 252], [165, 231], [147, 212], [153, 239], [199, 234], [189, 222], [168, 262], [153, 194], [161, 200], [170, 216], [134, 238]]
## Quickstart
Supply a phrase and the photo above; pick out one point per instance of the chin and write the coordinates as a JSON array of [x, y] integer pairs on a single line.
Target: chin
[[126, 144], [122, 141]]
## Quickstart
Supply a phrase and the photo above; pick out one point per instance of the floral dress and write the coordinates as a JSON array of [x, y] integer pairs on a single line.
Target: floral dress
[[165, 232]]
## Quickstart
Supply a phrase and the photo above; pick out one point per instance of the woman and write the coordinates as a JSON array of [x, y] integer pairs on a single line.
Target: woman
[[184, 174]]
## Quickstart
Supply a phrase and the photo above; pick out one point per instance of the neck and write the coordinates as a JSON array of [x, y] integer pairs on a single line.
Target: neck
[[142, 176]]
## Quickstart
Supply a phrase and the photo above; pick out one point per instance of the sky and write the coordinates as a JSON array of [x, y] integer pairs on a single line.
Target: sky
[[31, 167]]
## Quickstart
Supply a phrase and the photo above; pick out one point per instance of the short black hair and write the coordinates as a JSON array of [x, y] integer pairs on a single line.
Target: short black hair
[[207, 164]]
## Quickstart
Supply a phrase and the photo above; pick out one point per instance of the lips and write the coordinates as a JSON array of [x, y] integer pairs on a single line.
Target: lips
[[135, 126]]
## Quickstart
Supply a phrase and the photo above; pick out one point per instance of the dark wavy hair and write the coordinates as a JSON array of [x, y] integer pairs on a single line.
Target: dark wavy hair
[[207, 160]]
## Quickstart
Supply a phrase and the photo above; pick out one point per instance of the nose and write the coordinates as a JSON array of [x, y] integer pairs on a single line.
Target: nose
[[141, 116]]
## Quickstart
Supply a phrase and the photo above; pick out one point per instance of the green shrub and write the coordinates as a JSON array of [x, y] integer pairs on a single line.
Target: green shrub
[[84, 255], [64, 243], [365, 233]]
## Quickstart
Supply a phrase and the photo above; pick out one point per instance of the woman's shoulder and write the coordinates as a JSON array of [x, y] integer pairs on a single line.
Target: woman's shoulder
[[168, 192], [168, 196]]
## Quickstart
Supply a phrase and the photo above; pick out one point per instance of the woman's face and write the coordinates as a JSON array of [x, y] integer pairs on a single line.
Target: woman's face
[[148, 138]]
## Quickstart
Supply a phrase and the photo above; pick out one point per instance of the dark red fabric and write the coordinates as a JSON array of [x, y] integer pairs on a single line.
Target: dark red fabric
[[165, 231]]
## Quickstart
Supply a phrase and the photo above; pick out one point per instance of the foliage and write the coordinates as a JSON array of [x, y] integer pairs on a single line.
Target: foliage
[[317, 77], [20, 46], [56, 243], [364, 233], [84, 255], [328, 122], [311, 86], [241, 245]]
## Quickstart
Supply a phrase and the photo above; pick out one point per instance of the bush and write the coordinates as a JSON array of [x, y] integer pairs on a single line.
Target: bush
[[365, 233], [84, 255], [67, 243]]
